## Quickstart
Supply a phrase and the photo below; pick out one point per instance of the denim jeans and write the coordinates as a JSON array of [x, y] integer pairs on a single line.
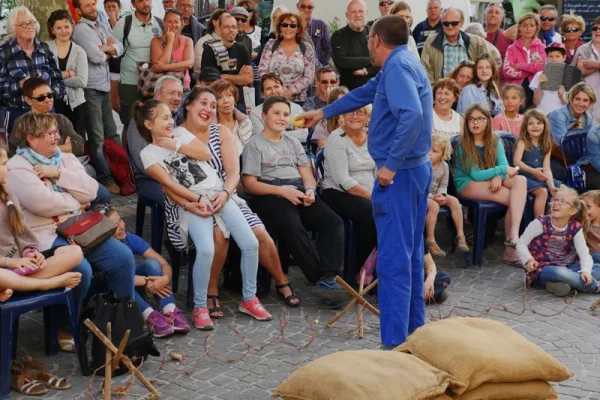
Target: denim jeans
[[114, 260], [151, 267], [596, 258], [100, 125], [569, 275], [201, 232], [102, 196]]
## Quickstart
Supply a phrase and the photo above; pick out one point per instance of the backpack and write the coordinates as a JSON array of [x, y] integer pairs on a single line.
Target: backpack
[[127, 29], [118, 162], [123, 314]]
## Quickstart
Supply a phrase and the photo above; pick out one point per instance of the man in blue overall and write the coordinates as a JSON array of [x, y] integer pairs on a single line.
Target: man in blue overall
[[399, 142]]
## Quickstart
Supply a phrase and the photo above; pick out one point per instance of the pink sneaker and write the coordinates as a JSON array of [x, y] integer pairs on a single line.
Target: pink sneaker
[[177, 321], [202, 320], [256, 310]]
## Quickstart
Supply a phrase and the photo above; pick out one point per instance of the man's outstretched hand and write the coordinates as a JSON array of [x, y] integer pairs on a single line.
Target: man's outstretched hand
[[311, 118]]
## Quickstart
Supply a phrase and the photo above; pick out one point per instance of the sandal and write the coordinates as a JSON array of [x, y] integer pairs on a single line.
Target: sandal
[[67, 345], [462, 245], [292, 300], [22, 384], [35, 369], [434, 249], [215, 312]]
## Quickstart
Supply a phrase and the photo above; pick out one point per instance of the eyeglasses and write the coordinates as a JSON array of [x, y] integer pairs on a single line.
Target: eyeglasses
[[596, 28], [26, 25], [448, 23], [43, 97], [331, 82], [544, 19], [306, 7], [358, 113], [476, 120], [561, 202], [286, 25], [177, 93], [240, 19], [51, 134], [385, 3], [571, 30]]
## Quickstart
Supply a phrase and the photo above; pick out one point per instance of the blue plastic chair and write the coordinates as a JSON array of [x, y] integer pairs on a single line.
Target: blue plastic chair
[[9, 326], [572, 145], [157, 220]]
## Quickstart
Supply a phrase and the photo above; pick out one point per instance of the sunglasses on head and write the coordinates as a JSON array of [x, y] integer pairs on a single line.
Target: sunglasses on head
[[385, 3], [249, 9], [306, 7], [43, 97], [286, 25], [570, 30], [490, 5], [595, 28], [448, 23], [244, 20], [331, 82], [551, 19]]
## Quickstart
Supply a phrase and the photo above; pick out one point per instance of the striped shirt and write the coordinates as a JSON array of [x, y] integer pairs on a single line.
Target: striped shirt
[[453, 54], [16, 65]]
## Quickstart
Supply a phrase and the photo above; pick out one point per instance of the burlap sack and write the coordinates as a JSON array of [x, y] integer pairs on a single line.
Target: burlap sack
[[477, 350], [532, 390], [365, 375]]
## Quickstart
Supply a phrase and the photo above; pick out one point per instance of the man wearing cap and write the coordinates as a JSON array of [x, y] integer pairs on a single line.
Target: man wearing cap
[[207, 76], [241, 17], [168, 90]]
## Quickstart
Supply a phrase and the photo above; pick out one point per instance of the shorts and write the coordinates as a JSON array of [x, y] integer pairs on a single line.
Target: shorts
[[128, 94]]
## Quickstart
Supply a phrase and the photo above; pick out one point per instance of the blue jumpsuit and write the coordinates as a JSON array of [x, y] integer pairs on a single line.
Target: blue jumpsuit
[[400, 140]]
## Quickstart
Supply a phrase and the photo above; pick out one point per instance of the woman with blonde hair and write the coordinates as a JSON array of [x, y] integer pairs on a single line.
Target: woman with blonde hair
[[572, 27]]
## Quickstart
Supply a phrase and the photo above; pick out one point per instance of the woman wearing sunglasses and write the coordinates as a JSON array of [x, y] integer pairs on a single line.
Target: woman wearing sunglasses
[[587, 59], [572, 27], [290, 57]]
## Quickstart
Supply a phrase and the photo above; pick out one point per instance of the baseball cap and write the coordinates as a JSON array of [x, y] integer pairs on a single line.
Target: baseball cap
[[239, 11], [209, 74], [556, 47]]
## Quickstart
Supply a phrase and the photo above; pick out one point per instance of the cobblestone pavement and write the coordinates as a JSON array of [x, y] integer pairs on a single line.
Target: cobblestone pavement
[[573, 336]]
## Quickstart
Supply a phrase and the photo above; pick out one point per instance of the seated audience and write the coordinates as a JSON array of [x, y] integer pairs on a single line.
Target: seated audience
[[326, 79], [277, 173], [290, 57], [509, 120], [52, 184], [439, 197], [228, 116], [198, 193], [587, 59], [20, 55], [325, 127], [446, 121], [435, 282], [484, 89], [563, 263], [482, 173], [526, 56], [549, 100], [592, 235], [272, 85], [173, 52], [72, 61], [349, 177], [590, 160], [463, 74], [532, 156], [154, 275]]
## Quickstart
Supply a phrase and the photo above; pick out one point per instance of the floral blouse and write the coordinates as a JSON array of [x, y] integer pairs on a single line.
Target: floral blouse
[[297, 72]]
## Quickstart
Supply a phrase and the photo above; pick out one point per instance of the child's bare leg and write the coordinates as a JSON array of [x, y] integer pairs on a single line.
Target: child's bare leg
[[457, 214], [539, 204], [10, 280], [433, 208], [64, 259], [5, 295]]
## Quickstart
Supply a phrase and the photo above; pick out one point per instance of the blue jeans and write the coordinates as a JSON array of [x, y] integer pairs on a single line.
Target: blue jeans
[[399, 210], [569, 275], [596, 258], [201, 232], [151, 267], [114, 260], [102, 196]]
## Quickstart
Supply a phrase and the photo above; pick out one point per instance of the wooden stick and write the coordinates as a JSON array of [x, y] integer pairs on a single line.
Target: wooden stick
[[358, 297], [108, 367], [115, 362], [124, 358], [595, 305], [339, 315], [361, 307]]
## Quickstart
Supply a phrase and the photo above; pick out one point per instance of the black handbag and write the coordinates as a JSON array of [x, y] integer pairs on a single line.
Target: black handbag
[[123, 314]]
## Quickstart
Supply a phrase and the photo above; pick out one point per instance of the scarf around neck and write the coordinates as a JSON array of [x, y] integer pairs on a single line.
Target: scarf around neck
[[35, 158]]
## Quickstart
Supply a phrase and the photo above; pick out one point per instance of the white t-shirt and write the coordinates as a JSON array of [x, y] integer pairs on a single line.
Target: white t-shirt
[[447, 128], [550, 100], [195, 175]]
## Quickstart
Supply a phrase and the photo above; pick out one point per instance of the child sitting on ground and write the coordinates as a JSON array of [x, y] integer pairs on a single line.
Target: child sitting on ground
[[435, 282], [19, 250], [438, 196], [154, 274], [513, 97], [549, 100], [532, 156], [592, 234], [553, 248]]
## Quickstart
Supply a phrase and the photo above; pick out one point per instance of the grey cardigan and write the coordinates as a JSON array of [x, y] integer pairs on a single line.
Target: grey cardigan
[[77, 62]]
